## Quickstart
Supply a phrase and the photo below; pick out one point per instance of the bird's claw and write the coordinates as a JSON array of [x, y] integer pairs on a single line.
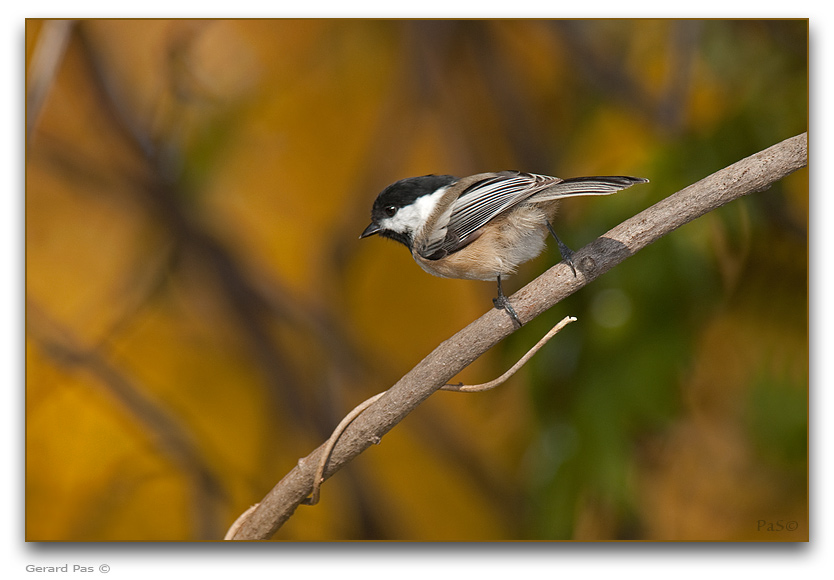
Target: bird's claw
[[502, 303]]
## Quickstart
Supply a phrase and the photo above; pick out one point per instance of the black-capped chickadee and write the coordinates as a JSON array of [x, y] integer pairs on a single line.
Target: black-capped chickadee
[[483, 226]]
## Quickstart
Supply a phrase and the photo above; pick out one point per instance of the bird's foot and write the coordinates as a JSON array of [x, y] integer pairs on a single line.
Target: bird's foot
[[503, 303], [567, 253]]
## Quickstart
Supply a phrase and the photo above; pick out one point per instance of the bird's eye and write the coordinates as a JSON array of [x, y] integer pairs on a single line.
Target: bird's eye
[[390, 210]]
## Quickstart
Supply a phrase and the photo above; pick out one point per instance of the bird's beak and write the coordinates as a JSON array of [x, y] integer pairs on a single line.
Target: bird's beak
[[370, 230]]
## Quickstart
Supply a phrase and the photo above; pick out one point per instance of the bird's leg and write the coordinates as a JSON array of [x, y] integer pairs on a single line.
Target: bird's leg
[[567, 253], [502, 302]]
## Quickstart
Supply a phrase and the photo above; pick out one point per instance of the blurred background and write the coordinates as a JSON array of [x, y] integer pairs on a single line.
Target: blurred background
[[200, 312]]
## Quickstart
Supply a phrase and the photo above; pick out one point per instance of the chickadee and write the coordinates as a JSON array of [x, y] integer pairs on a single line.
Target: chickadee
[[483, 226]]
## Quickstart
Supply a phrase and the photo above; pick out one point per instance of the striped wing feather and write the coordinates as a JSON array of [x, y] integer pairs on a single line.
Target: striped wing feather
[[490, 197]]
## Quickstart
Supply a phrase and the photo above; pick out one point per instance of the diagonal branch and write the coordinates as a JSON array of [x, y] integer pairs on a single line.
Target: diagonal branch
[[360, 408], [752, 174]]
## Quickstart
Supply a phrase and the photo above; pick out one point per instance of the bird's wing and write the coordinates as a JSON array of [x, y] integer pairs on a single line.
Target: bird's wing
[[492, 194], [486, 197]]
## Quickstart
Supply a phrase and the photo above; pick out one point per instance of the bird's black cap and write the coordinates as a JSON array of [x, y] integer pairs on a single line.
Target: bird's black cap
[[400, 194], [405, 191]]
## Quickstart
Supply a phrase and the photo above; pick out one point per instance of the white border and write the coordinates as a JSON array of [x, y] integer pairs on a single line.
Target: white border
[[536, 560]]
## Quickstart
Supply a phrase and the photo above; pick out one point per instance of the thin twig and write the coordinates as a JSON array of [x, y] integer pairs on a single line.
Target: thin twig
[[460, 388], [752, 174], [350, 417], [331, 443]]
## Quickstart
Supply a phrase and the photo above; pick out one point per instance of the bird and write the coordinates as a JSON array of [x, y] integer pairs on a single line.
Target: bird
[[480, 227]]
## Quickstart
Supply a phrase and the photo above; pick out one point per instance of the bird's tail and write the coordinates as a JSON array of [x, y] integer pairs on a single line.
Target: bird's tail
[[605, 185]]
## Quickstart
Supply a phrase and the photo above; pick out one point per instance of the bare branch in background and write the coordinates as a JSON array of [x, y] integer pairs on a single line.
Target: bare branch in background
[[612, 78], [258, 302], [163, 428], [46, 60]]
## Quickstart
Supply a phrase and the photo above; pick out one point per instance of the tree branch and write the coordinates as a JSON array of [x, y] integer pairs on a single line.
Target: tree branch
[[752, 174]]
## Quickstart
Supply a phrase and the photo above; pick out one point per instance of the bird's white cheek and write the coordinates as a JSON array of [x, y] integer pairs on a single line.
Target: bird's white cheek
[[411, 217], [387, 224], [408, 219], [403, 222]]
